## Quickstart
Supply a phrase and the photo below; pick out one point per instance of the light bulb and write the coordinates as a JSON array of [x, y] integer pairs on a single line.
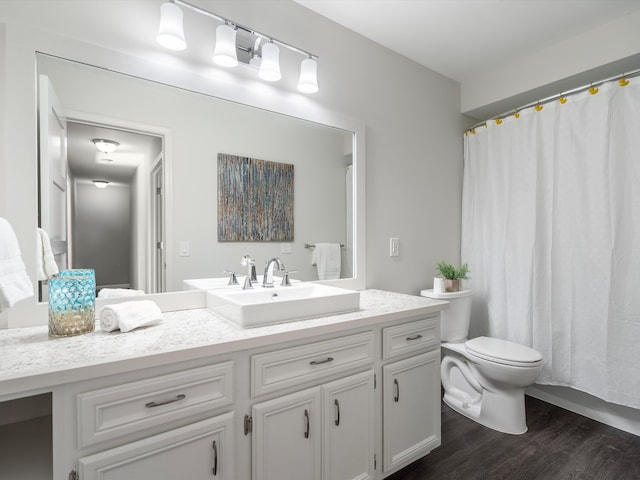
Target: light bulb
[[105, 146], [308, 82], [270, 65], [224, 53], [170, 32]]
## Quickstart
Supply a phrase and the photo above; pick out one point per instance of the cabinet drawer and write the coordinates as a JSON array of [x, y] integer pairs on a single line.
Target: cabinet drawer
[[120, 410], [293, 366], [410, 337], [203, 450]]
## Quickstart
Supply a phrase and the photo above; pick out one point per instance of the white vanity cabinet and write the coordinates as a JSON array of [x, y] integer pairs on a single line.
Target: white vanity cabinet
[[411, 392], [322, 432], [152, 427], [286, 437], [325, 432], [200, 451], [354, 396]]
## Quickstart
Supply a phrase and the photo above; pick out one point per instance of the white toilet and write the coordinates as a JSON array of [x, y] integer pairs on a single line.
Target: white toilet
[[483, 378]]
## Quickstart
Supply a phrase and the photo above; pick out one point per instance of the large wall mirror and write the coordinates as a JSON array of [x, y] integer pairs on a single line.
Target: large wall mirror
[[154, 225]]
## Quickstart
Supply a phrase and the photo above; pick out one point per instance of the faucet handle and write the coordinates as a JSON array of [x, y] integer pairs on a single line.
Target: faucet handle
[[285, 278], [233, 280]]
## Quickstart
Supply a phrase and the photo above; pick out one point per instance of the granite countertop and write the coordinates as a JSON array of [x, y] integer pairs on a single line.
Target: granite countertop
[[29, 360]]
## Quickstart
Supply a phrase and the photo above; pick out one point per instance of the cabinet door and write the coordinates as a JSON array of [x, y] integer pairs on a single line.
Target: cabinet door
[[201, 451], [348, 413], [286, 437], [411, 409]]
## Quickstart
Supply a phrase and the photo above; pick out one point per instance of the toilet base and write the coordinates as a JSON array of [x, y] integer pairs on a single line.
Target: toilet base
[[503, 412]]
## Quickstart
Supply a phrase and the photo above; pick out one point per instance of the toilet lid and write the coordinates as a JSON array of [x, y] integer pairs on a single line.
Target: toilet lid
[[503, 351]]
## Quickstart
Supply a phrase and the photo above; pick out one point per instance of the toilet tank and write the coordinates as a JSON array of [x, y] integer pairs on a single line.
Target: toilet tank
[[454, 321]]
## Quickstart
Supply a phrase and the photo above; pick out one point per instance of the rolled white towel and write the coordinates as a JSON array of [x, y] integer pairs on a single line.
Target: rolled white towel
[[129, 315], [118, 292]]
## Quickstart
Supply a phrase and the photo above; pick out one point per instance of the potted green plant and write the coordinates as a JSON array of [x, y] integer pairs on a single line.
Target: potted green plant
[[452, 275]]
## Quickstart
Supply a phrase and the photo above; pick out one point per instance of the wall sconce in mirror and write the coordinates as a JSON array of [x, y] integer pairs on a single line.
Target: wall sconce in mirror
[[235, 44], [101, 183], [105, 146]]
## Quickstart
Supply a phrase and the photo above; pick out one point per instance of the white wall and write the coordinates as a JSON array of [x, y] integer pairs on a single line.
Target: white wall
[[608, 50]]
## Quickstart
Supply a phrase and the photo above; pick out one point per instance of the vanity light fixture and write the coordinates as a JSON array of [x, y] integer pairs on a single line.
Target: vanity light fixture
[[105, 146], [230, 49], [308, 82], [270, 64], [171, 33], [225, 52], [101, 183]]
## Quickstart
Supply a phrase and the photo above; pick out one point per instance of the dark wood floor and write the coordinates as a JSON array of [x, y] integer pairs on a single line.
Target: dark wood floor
[[560, 445]]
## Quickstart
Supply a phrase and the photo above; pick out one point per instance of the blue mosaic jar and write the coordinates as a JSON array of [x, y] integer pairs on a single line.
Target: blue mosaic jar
[[72, 300]]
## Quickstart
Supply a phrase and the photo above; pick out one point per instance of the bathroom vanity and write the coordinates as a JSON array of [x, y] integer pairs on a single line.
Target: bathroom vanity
[[354, 395]]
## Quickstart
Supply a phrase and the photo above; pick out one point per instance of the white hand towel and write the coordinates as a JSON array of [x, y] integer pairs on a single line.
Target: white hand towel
[[326, 256], [129, 315], [118, 292], [47, 266], [15, 284]]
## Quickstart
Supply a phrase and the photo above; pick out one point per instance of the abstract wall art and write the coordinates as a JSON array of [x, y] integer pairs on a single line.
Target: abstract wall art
[[255, 200]]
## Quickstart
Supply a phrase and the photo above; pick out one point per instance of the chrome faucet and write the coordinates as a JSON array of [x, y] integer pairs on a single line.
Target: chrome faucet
[[250, 263], [267, 279]]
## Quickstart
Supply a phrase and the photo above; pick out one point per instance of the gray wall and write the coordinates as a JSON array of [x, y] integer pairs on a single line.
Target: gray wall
[[102, 231]]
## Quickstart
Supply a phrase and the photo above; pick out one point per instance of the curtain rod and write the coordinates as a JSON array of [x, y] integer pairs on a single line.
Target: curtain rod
[[546, 100]]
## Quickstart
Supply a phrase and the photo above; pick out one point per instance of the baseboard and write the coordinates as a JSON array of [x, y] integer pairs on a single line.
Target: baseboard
[[617, 416]]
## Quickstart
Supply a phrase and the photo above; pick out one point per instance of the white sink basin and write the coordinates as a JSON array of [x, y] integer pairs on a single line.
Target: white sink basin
[[263, 306], [207, 283]]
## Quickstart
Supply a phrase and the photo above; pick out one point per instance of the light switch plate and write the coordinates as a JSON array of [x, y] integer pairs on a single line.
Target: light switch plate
[[394, 247], [184, 248]]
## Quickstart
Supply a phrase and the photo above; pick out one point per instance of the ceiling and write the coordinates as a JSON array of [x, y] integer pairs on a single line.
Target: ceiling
[[462, 38], [87, 163]]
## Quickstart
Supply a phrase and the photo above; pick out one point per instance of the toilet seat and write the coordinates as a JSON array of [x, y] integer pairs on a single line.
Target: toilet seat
[[503, 352]]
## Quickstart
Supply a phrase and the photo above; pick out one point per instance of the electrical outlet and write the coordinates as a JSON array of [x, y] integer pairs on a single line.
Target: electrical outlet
[[394, 247]]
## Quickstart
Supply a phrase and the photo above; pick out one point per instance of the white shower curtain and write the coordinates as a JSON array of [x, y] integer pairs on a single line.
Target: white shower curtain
[[551, 232]]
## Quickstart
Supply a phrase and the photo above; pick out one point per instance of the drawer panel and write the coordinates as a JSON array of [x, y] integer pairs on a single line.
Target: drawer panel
[[293, 366], [120, 410], [410, 337]]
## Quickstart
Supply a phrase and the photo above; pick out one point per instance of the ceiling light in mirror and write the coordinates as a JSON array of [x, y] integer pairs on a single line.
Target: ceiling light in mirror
[[101, 183], [105, 146]]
